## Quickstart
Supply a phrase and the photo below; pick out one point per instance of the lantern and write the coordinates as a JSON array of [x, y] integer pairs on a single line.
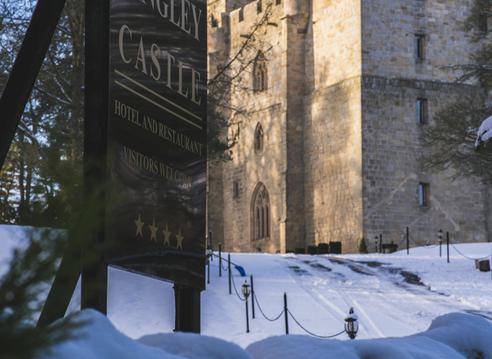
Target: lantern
[[351, 324], [246, 290]]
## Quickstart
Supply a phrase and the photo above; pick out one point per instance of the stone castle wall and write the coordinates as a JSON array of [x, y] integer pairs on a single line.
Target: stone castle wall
[[393, 149], [268, 108], [343, 151], [393, 167], [333, 178]]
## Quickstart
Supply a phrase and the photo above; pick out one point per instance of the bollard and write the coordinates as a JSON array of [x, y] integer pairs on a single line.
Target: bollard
[[252, 297], [210, 244], [408, 241], [247, 316], [229, 272], [220, 260], [447, 244], [286, 314]]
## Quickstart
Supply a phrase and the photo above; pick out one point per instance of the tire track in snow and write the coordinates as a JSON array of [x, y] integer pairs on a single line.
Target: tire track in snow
[[425, 300], [372, 330], [391, 297], [336, 312]]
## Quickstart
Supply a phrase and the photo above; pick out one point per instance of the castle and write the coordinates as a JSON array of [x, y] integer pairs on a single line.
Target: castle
[[331, 149]]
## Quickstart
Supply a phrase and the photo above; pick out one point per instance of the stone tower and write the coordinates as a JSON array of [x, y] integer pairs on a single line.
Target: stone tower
[[351, 86]]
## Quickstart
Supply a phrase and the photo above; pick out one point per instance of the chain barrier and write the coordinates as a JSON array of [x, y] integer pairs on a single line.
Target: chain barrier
[[467, 257], [311, 333], [255, 298], [425, 245], [235, 290], [225, 269], [412, 240]]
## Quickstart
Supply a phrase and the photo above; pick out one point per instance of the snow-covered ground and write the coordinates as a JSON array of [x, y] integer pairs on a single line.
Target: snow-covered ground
[[384, 291], [393, 295]]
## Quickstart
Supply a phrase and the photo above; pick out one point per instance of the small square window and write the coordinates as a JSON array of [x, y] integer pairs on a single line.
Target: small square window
[[419, 47], [278, 2], [423, 194], [422, 111]]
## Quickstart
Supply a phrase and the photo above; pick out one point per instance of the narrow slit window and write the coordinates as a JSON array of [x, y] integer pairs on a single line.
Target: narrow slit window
[[422, 111], [419, 47], [423, 194], [235, 190]]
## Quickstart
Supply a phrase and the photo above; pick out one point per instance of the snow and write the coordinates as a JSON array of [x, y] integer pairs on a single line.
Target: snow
[[484, 132], [394, 295], [98, 338], [450, 336]]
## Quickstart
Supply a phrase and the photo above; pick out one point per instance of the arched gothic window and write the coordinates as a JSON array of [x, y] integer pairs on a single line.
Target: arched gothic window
[[260, 73], [261, 213], [259, 138]]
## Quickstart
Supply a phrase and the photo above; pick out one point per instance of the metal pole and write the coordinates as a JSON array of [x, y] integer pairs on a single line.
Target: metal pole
[[229, 272], [26, 69], [208, 271], [252, 297], [447, 244], [286, 315], [440, 248], [408, 241], [380, 243], [376, 245], [220, 260], [247, 316], [210, 244]]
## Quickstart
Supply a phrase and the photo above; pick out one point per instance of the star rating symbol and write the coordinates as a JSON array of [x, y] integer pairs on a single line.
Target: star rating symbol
[[167, 236], [179, 240], [153, 231], [139, 224]]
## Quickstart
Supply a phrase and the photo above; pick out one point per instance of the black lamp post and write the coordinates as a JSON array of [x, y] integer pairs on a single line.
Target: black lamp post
[[440, 236], [376, 241], [351, 324], [246, 293]]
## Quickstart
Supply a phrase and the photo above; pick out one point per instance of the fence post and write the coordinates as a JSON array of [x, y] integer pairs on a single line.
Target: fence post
[[286, 315], [252, 297], [220, 260], [229, 272], [247, 315], [408, 241], [380, 243], [447, 244], [210, 244]]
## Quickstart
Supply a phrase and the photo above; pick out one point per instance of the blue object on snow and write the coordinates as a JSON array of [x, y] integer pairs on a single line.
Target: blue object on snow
[[240, 270]]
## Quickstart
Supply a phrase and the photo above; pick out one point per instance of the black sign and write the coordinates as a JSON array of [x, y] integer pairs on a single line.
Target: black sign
[[157, 138]]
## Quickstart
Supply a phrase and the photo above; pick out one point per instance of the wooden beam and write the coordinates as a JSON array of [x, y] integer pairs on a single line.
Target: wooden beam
[[94, 268], [26, 68]]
